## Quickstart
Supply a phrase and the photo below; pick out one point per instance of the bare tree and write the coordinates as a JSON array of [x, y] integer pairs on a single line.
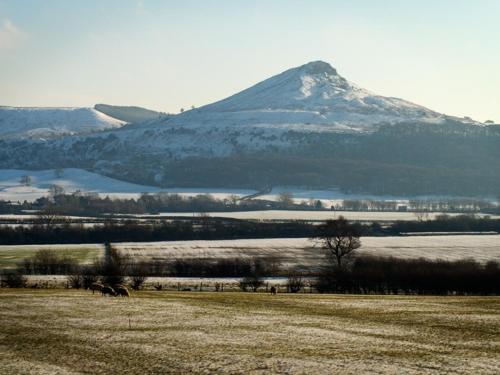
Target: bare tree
[[138, 272], [294, 282], [55, 190], [340, 238], [25, 180], [254, 282], [75, 281], [49, 216], [285, 199]]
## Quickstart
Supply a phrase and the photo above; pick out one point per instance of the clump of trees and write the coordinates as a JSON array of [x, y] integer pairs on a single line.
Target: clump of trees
[[12, 279], [48, 262], [347, 273], [254, 279], [375, 275], [294, 283]]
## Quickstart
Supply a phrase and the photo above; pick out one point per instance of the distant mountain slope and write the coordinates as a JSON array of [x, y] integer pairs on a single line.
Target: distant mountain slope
[[46, 123], [307, 127], [278, 113], [130, 114]]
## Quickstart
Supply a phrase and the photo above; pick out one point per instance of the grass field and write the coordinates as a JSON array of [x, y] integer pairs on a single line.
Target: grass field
[[69, 332], [10, 256]]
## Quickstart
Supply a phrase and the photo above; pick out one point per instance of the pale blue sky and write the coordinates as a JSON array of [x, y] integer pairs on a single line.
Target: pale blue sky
[[164, 55]]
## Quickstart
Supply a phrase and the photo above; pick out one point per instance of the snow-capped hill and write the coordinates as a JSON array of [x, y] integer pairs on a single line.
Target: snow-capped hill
[[45, 123], [313, 93], [277, 113]]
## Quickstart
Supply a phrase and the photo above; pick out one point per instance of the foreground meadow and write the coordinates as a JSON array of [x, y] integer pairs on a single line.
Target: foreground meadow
[[69, 332]]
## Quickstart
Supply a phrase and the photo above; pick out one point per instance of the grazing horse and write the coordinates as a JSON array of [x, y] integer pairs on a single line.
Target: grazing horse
[[122, 291], [96, 286], [273, 290], [108, 290]]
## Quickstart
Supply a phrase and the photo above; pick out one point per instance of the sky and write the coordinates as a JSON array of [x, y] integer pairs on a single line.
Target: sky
[[167, 55]]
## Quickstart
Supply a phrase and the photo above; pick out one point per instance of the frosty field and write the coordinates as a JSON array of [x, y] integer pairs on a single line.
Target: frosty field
[[69, 332], [314, 215], [291, 251]]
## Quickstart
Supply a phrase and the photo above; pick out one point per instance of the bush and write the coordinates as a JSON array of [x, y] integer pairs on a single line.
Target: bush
[[294, 283], [75, 281], [49, 262], [253, 282], [114, 266], [89, 276], [137, 281], [13, 279]]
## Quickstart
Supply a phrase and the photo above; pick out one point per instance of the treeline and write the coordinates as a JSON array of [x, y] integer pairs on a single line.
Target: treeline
[[91, 204], [132, 231], [88, 204], [372, 275], [421, 207], [49, 262], [446, 223], [55, 230]]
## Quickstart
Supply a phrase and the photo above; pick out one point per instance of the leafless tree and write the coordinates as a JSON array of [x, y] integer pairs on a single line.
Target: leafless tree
[[340, 238], [55, 190], [75, 281], [25, 180], [294, 283], [254, 282], [286, 199], [49, 216], [138, 272]]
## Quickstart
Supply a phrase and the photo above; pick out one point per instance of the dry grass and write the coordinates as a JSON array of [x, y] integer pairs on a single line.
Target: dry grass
[[64, 331]]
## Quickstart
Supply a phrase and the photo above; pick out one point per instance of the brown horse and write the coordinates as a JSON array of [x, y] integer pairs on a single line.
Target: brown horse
[[273, 290], [108, 290], [122, 291], [96, 286]]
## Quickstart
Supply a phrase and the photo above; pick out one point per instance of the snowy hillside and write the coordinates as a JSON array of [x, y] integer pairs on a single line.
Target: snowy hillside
[[72, 179], [43, 123], [278, 112], [129, 114]]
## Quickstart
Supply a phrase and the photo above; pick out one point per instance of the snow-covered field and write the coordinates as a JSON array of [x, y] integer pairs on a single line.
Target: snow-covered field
[[72, 179], [304, 251], [289, 251], [313, 215]]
